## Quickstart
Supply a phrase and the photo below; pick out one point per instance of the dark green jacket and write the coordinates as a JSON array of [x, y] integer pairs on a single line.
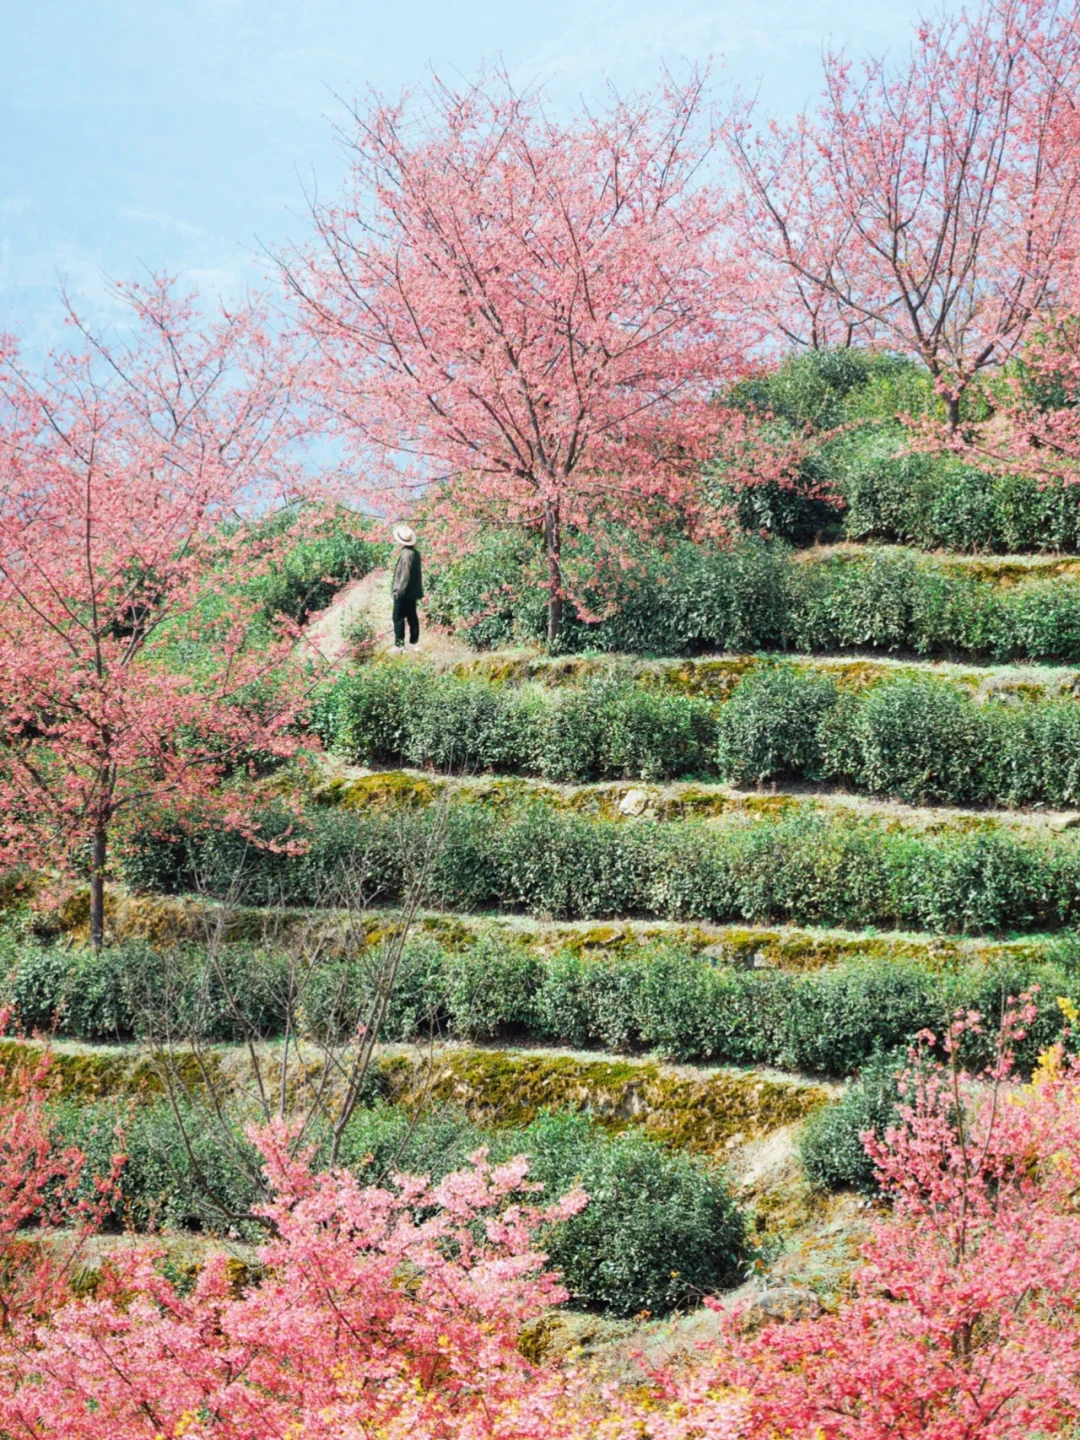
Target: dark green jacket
[[408, 582]]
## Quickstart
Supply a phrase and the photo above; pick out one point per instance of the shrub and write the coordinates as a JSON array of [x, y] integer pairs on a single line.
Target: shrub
[[831, 1146], [769, 727], [343, 992], [490, 988], [832, 1020], [920, 740], [936, 502], [660, 1229], [651, 1213], [607, 728]]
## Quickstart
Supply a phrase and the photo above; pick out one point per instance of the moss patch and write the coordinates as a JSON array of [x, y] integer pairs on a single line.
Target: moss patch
[[91, 1075], [384, 790], [709, 1115]]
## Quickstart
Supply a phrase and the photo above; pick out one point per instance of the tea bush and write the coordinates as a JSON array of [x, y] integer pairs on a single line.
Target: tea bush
[[760, 595], [919, 739], [807, 868], [490, 988], [831, 1147], [338, 549], [605, 729], [936, 502], [661, 1228], [769, 727]]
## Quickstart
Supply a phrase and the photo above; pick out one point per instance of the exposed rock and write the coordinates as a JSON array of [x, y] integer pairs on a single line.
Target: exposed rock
[[633, 802], [780, 1305]]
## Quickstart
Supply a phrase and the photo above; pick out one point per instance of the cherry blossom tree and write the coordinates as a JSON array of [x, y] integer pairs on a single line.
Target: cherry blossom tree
[[1036, 429], [40, 1200], [126, 673], [932, 207], [531, 315]]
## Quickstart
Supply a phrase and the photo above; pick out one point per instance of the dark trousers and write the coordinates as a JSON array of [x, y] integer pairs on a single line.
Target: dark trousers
[[406, 610]]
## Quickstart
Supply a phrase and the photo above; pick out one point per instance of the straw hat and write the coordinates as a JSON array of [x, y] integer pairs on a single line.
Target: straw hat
[[404, 535]]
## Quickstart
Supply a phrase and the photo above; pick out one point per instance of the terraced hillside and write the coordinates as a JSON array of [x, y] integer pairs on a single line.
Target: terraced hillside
[[662, 911], [652, 940]]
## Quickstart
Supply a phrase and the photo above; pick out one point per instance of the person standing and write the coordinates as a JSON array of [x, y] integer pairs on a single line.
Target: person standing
[[407, 587]]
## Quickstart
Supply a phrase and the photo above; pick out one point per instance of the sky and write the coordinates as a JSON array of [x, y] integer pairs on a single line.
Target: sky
[[180, 135]]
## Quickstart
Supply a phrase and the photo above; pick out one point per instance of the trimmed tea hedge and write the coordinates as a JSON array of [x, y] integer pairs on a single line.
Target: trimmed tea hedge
[[920, 739], [605, 729], [833, 1154], [763, 596], [810, 867], [655, 997]]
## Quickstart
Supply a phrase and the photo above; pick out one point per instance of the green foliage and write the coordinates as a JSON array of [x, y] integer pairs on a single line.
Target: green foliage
[[769, 727], [608, 728], [833, 1154], [406, 982], [338, 549], [180, 1171], [657, 997], [660, 1229], [920, 740], [494, 595], [937, 502]]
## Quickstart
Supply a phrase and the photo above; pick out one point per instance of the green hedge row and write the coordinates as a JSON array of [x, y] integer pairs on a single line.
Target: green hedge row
[[606, 729], [935, 502], [764, 596], [656, 998], [922, 740], [661, 1228], [806, 868]]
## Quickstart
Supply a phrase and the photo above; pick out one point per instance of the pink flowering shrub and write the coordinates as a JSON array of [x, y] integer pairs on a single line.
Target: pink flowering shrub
[[963, 1321], [377, 1311]]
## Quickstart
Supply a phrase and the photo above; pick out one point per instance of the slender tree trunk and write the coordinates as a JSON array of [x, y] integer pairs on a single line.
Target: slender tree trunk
[[552, 546], [952, 406], [97, 889]]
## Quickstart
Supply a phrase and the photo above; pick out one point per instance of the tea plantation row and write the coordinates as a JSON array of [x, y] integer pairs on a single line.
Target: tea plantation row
[[764, 596], [807, 868], [923, 741], [654, 998]]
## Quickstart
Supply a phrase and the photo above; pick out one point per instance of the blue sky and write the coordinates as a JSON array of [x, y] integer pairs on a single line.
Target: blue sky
[[177, 134]]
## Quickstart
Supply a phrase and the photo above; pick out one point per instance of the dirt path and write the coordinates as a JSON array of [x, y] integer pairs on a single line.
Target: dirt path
[[370, 597]]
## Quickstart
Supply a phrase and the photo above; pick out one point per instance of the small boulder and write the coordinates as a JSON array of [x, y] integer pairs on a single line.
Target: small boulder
[[633, 802], [780, 1305]]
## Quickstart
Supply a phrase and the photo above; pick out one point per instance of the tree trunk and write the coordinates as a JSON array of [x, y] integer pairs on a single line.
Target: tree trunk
[[551, 544], [952, 406], [97, 889]]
